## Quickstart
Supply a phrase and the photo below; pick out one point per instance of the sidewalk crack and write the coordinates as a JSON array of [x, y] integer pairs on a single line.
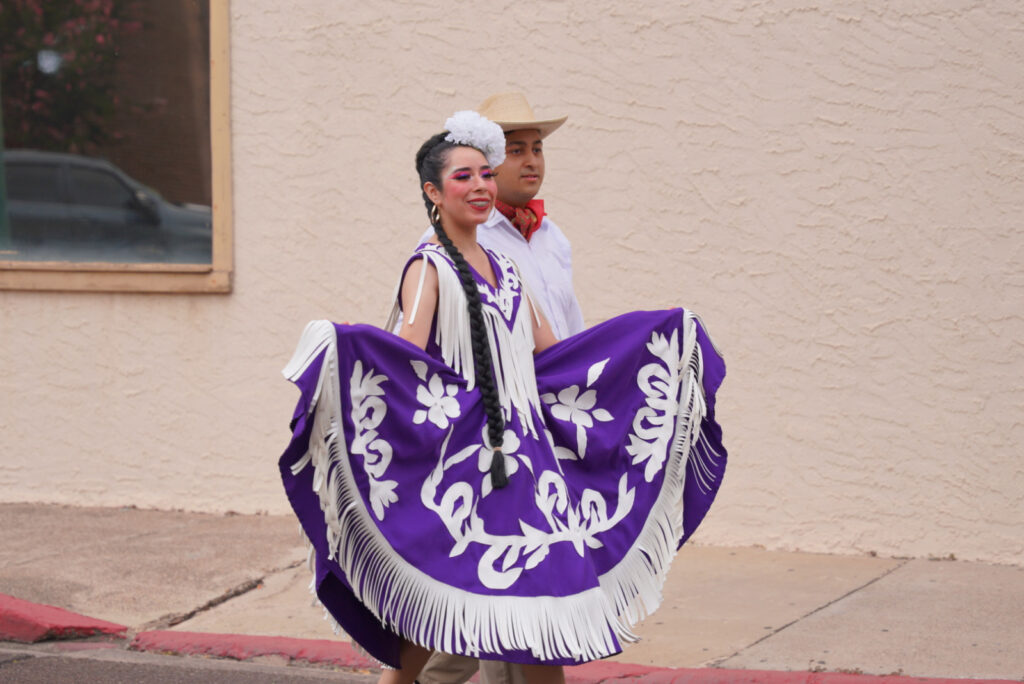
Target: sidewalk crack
[[172, 619], [717, 662]]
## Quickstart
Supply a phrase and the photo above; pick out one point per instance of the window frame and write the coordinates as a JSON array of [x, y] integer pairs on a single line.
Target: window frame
[[215, 277]]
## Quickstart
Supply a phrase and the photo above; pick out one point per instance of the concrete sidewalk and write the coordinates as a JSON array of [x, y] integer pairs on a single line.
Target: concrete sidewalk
[[236, 586]]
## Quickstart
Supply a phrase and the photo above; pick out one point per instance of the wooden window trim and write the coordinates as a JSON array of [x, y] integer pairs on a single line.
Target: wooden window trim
[[215, 277]]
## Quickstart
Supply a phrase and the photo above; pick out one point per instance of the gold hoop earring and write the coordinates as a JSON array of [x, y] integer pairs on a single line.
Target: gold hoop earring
[[435, 215]]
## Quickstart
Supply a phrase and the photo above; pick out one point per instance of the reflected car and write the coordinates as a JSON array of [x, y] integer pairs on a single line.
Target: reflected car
[[69, 207]]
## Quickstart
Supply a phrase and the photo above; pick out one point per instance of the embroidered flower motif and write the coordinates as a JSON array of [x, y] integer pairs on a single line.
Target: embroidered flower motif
[[509, 447], [439, 400], [573, 407]]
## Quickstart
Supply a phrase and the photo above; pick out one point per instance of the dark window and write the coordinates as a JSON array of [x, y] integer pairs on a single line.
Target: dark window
[[99, 189], [33, 182]]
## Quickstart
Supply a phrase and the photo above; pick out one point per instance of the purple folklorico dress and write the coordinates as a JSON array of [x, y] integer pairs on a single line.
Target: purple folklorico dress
[[611, 447]]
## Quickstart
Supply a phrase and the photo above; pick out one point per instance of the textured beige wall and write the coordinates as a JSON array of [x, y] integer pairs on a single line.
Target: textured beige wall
[[836, 186]]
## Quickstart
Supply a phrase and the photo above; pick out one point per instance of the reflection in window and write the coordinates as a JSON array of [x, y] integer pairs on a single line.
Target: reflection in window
[[106, 131], [32, 183], [98, 189]]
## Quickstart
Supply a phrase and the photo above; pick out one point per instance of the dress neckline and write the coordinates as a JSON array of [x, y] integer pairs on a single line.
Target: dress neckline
[[479, 277], [494, 269]]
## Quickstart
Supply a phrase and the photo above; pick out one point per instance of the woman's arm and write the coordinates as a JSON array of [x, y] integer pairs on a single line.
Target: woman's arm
[[543, 335], [419, 283]]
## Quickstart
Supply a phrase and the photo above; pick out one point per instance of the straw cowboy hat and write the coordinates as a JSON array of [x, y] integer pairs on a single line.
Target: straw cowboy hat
[[512, 112]]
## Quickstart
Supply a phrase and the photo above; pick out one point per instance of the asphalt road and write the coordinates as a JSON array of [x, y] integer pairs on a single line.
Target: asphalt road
[[59, 663]]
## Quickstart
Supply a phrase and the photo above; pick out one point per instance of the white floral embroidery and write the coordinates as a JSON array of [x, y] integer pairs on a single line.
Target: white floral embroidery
[[368, 410], [572, 407], [509, 446], [501, 300], [561, 453], [439, 400], [506, 556], [509, 286], [577, 518], [503, 297]]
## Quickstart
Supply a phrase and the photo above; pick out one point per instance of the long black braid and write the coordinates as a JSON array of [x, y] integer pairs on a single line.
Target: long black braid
[[430, 160]]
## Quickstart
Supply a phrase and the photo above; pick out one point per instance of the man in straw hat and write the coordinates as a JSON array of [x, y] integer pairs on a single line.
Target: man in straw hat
[[519, 228]]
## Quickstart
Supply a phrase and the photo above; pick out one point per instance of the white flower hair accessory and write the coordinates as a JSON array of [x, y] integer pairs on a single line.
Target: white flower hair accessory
[[469, 128]]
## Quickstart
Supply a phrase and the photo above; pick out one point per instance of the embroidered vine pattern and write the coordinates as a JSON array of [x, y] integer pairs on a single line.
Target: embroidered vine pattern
[[455, 502], [654, 423], [504, 296], [507, 556], [368, 410]]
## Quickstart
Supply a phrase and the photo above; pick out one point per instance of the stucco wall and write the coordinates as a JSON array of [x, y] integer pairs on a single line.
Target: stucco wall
[[837, 187]]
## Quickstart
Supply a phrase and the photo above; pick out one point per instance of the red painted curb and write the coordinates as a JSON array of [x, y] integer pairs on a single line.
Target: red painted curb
[[29, 622], [338, 653], [243, 647], [343, 654]]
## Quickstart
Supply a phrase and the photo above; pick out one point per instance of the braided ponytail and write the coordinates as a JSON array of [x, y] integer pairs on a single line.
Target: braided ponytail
[[430, 159]]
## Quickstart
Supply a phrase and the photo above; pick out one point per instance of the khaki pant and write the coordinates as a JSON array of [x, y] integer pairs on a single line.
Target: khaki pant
[[445, 668]]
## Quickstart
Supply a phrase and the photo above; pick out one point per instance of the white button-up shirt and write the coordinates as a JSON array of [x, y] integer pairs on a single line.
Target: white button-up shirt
[[545, 263]]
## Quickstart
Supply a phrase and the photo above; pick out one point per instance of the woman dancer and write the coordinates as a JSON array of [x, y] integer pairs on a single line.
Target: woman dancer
[[460, 493]]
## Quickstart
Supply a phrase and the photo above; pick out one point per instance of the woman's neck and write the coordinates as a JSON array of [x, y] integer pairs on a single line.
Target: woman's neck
[[464, 238]]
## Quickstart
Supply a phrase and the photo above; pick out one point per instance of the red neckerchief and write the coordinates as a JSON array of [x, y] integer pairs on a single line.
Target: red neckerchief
[[526, 219]]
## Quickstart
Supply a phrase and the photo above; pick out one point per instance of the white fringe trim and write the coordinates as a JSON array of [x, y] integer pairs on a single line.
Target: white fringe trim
[[579, 627], [635, 584], [511, 350], [447, 618]]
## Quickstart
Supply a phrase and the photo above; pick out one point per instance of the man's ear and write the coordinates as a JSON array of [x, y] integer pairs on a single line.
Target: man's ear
[[432, 192]]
